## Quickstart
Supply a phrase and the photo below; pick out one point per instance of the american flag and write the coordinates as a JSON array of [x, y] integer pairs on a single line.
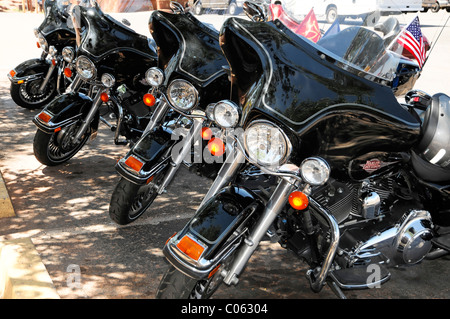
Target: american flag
[[412, 40]]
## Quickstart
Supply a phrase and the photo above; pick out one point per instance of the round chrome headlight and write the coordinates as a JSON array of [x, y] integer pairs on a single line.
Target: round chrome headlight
[[154, 76], [68, 54], [108, 80], [182, 95], [85, 68], [226, 114], [266, 143], [42, 42], [315, 171]]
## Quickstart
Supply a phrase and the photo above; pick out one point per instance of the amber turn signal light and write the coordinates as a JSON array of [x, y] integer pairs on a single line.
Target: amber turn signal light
[[190, 247], [68, 72], [298, 200], [206, 133], [104, 97], [216, 147], [149, 99], [134, 163], [44, 117]]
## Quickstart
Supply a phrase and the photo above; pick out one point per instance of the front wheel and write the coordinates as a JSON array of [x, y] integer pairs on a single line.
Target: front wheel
[[29, 96], [176, 285], [331, 14], [56, 148], [129, 201]]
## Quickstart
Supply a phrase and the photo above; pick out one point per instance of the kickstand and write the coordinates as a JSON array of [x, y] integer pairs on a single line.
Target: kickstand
[[335, 288]]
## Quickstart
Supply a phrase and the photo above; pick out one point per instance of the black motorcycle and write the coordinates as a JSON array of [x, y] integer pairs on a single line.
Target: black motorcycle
[[191, 76], [109, 59], [35, 82], [362, 181]]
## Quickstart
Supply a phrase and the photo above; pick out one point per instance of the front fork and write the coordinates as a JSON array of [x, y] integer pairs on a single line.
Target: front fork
[[90, 116], [47, 77], [177, 159], [273, 208]]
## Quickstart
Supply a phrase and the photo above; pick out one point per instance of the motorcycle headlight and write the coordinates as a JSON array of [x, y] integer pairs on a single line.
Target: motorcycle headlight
[[42, 42], [182, 95], [315, 171], [108, 80], [226, 114], [154, 76], [85, 68], [266, 143], [68, 54]]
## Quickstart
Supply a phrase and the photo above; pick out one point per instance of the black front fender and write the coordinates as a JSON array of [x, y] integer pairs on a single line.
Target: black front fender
[[150, 150], [64, 111], [29, 69], [217, 227]]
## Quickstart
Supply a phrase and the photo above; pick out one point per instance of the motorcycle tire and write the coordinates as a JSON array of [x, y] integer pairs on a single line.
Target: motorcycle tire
[[53, 149], [176, 285], [129, 201], [27, 94]]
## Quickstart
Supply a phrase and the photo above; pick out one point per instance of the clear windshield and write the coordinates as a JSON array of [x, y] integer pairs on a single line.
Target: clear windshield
[[361, 35]]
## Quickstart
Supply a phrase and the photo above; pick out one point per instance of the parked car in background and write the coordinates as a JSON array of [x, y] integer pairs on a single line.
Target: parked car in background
[[230, 6], [435, 5], [332, 9]]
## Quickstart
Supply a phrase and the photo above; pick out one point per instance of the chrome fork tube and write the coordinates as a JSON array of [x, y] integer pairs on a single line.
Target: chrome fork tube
[[177, 159], [75, 85], [87, 121], [157, 116], [228, 170], [274, 206], [47, 78]]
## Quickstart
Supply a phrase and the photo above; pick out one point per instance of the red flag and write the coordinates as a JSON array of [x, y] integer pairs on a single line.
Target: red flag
[[309, 28], [412, 41]]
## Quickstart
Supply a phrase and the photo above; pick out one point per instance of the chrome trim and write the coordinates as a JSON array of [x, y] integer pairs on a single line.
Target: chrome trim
[[286, 139], [318, 281], [274, 206]]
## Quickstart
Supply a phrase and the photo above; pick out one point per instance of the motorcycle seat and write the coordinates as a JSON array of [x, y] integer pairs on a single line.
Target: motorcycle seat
[[428, 171]]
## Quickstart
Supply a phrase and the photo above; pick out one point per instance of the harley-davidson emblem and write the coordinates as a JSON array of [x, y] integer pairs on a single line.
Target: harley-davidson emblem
[[374, 164]]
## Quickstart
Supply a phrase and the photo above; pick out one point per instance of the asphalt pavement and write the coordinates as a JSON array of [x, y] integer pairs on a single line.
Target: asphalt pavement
[[63, 210]]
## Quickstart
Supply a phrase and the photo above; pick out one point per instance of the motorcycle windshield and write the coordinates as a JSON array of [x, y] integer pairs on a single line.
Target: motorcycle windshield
[[57, 17], [113, 25], [296, 68], [187, 46]]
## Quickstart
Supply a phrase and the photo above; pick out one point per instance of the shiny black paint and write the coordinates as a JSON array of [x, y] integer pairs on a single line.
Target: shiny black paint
[[30, 67], [66, 109], [215, 221], [150, 148], [333, 113], [190, 50], [114, 47], [55, 28]]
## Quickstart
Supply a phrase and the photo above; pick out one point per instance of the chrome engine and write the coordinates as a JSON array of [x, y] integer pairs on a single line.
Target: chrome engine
[[375, 228], [407, 242]]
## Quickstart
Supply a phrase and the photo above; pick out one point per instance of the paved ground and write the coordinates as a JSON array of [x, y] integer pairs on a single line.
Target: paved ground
[[64, 210]]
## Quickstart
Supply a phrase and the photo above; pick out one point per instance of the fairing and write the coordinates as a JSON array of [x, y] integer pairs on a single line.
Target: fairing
[[193, 47], [105, 35], [57, 25], [331, 108]]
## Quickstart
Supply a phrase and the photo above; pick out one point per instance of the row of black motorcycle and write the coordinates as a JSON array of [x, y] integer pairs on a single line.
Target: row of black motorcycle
[[306, 142]]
